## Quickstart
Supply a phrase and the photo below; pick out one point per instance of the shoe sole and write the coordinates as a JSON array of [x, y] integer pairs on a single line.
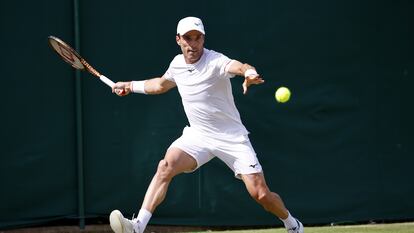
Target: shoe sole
[[115, 221]]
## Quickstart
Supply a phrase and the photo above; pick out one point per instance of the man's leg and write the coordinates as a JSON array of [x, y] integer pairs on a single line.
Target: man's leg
[[258, 189], [175, 162]]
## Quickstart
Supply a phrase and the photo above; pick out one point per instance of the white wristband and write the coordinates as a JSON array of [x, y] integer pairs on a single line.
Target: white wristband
[[250, 72], [138, 87]]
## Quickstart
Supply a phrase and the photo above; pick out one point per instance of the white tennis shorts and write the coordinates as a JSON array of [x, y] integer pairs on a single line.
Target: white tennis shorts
[[239, 156]]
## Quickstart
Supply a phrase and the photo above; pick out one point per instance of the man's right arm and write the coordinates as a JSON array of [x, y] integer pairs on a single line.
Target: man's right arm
[[152, 86]]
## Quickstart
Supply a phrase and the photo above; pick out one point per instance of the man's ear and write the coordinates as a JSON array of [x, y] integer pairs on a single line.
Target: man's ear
[[177, 38]]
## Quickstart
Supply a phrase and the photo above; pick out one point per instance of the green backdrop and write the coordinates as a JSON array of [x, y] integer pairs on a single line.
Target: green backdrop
[[340, 150]]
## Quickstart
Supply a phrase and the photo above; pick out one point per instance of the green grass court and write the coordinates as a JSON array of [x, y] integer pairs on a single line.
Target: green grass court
[[104, 228], [373, 228]]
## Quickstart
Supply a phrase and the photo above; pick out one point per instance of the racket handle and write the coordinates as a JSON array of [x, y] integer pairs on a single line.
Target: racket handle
[[111, 84], [107, 81]]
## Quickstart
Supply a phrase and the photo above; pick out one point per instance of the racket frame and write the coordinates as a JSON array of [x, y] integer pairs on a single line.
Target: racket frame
[[73, 58]]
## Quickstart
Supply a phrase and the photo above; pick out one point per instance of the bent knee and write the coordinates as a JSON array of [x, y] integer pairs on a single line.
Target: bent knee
[[261, 195], [165, 171]]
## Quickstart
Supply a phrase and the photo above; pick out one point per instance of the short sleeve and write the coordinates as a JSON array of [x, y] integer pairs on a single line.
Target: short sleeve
[[168, 75], [222, 63]]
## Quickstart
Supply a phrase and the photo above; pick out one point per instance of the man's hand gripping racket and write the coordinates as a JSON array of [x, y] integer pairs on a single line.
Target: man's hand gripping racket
[[69, 55]]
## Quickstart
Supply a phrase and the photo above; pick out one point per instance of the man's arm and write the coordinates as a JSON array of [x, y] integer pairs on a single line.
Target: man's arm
[[247, 71], [152, 86]]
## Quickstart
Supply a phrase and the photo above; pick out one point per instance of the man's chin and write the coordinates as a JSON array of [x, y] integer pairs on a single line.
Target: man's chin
[[193, 59]]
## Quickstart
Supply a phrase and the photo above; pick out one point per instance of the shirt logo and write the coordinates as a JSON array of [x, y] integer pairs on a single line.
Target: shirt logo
[[191, 70]]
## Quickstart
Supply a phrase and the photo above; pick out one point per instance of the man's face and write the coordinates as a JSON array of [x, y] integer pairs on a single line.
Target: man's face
[[192, 44]]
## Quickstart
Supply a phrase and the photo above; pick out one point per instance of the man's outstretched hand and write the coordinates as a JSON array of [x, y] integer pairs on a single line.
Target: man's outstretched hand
[[249, 80]]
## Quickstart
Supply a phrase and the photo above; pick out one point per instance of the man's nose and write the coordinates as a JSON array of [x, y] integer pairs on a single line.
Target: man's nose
[[192, 43]]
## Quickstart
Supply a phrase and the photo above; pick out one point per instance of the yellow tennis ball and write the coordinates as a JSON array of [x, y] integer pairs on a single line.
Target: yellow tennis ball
[[282, 94]]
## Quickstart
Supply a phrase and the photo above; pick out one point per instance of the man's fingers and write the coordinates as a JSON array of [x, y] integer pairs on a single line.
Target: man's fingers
[[244, 87], [119, 89], [120, 92], [256, 79]]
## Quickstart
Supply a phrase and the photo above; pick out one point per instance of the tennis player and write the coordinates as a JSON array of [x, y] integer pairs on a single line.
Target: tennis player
[[202, 77]]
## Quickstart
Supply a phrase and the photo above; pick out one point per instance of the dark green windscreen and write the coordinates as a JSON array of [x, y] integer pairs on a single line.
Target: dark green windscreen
[[339, 151]]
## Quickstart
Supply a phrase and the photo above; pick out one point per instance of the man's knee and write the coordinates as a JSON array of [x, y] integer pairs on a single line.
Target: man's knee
[[260, 194], [165, 171]]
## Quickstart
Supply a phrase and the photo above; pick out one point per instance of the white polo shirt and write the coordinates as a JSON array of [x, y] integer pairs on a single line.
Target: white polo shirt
[[206, 95]]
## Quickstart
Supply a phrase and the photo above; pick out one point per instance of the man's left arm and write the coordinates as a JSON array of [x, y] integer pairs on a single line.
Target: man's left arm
[[247, 71]]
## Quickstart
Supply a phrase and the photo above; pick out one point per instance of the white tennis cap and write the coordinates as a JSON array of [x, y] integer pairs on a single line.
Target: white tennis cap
[[188, 24]]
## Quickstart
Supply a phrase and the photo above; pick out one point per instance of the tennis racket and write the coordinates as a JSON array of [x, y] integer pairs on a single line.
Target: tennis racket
[[69, 55]]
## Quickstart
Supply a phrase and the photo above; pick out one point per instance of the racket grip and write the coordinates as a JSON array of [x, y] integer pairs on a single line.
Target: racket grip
[[107, 81]]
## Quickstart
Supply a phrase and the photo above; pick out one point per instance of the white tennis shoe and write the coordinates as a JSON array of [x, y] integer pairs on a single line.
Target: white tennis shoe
[[297, 229], [119, 224]]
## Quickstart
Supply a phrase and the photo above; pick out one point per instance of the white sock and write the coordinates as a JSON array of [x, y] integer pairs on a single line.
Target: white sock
[[290, 222], [142, 219]]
